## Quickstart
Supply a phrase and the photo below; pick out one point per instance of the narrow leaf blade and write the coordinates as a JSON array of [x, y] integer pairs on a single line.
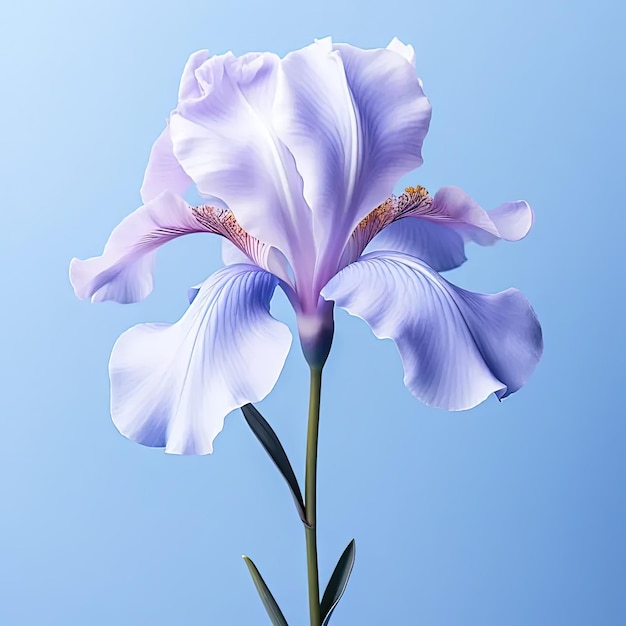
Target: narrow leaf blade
[[271, 606], [270, 442], [338, 582]]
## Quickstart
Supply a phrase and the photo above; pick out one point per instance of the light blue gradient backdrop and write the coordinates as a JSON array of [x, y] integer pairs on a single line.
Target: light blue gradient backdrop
[[512, 514]]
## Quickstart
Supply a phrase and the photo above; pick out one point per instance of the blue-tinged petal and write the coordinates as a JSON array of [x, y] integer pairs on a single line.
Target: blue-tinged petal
[[438, 235], [442, 247], [355, 121], [172, 385], [125, 270], [457, 347], [226, 142]]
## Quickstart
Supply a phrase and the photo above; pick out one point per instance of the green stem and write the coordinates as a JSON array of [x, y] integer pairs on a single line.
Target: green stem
[[310, 495]]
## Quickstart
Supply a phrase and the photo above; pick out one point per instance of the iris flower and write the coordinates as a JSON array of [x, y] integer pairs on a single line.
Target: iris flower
[[295, 160]]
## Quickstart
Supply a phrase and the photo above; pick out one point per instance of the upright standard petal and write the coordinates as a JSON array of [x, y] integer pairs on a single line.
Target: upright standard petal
[[190, 88], [226, 142], [437, 233], [355, 121], [163, 172], [172, 385], [406, 51], [457, 347]]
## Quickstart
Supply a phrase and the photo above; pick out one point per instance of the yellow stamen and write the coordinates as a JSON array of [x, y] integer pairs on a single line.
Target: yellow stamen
[[414, 200], [223, 222]]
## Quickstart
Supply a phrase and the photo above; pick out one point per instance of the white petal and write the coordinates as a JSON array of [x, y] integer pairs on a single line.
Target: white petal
[[173, 385], [406, 51], [457, 347]]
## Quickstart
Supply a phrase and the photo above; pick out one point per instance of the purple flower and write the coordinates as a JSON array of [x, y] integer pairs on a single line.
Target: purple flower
[[296, 159]]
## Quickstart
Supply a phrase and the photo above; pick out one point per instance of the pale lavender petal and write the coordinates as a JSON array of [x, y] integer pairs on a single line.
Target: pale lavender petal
[[231, 254], [406, 51], [164, 172], [125, 270], [438, 236], [172, 385], [189, 88], [457, 347], [513, 220], [226, 142], [355, 121], [274, 261]]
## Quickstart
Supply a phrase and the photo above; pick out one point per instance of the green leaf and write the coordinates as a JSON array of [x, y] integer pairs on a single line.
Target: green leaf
[[338, 582], [269, 440], [271, 606]]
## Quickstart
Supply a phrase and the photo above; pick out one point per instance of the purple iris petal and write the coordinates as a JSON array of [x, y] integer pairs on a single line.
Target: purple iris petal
[[438, 236], [442, 247], [513, 220], [274, 262], [190, 88], [355, 121], [125, 270], [163, 172], [457, 347], [305, 151], [172, 385], [226, 141]]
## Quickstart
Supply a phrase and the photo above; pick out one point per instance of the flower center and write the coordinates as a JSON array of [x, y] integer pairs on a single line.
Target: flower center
[[415, 201]]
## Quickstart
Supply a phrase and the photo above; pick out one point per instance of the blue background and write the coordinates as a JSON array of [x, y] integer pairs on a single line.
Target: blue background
[[510, 514]]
